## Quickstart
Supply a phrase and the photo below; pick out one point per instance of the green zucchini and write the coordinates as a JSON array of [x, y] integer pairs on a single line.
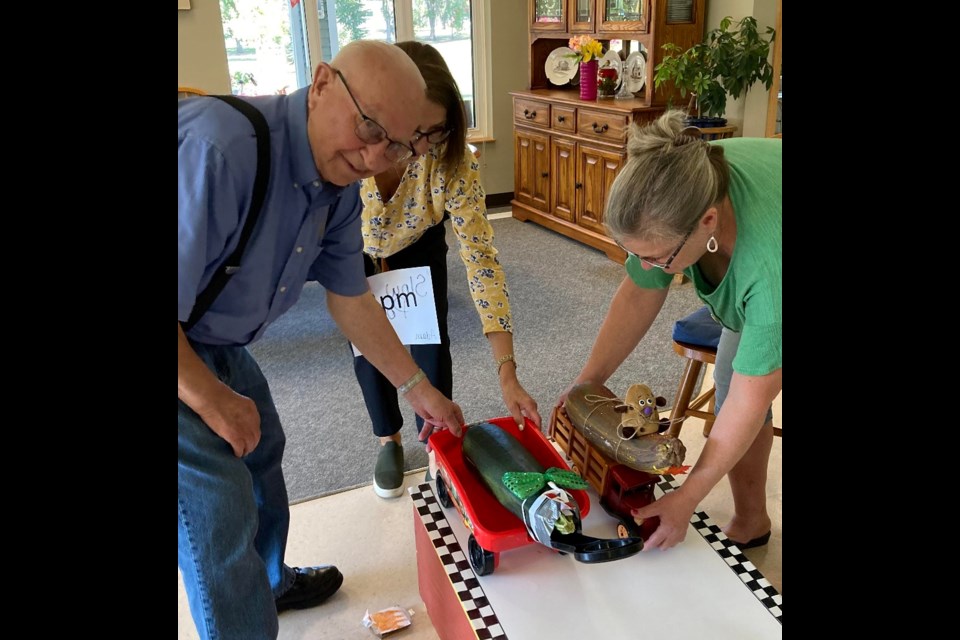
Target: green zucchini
[[553, 520], [493, 452]]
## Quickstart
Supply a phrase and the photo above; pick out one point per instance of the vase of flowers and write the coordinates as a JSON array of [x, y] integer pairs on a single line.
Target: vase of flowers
[[586, 50], [607, 82], [588, 80]]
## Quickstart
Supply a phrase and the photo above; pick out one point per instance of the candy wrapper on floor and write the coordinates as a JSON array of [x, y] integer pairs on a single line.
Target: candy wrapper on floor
[[387, 621]]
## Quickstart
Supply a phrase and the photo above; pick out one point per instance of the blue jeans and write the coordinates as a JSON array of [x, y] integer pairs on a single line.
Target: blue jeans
[[232, 513]]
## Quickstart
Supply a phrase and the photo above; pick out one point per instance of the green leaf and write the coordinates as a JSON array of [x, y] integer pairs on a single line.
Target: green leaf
[[566, 479], [730, 60], [523, 484]]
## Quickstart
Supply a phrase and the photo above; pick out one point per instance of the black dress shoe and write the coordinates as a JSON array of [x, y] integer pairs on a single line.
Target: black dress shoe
[[311, 586]]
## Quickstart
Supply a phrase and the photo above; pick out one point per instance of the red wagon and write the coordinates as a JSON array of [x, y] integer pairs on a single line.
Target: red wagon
[[494, 529]]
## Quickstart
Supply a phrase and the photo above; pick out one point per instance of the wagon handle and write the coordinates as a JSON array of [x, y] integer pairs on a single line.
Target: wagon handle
[[591, 550]]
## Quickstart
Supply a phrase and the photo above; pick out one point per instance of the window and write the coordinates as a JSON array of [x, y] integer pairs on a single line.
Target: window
[[266, 50], [273, 48]]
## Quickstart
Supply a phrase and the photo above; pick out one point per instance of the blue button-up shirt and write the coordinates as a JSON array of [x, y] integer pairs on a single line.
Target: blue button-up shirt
[[308, 229]]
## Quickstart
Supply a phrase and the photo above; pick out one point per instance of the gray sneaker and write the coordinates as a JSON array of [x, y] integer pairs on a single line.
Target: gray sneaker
[[388, 475]]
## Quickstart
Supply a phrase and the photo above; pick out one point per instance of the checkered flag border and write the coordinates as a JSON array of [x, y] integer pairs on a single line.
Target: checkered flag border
[[484, 620], [731, 554]]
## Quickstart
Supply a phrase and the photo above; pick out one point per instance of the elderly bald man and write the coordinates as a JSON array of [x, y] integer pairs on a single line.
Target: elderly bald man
[[361, 114]]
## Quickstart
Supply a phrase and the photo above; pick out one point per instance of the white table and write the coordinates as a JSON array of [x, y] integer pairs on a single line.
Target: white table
[[704, 587]]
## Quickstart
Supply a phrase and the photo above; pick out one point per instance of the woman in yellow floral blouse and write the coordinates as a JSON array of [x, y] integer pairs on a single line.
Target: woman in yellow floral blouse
[[403, 213]]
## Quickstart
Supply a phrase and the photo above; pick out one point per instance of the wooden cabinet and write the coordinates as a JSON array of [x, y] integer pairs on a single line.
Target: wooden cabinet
[[566, 155], [579, 16], [567, 152], [532, 169]]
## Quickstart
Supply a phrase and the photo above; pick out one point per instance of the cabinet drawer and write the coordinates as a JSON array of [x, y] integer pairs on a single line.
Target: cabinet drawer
[[564, 119], [602, 126], [531, 112]]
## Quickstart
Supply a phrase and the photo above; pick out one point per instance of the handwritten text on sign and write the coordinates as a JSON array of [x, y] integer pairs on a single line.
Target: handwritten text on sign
[[406, 296]]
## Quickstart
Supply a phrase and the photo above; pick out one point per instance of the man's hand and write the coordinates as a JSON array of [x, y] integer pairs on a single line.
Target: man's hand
[[231, 416], [438, 411], [235, 418]]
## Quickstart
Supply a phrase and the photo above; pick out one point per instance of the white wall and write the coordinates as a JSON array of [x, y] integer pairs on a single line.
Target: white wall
[[509, 59], [201, 57]]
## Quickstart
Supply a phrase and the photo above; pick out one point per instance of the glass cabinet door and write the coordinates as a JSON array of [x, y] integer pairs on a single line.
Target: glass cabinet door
[[581, 16], [548, 15], [623, 15]]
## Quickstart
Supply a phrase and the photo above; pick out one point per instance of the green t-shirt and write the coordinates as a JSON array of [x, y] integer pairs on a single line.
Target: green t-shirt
[[749, 299]]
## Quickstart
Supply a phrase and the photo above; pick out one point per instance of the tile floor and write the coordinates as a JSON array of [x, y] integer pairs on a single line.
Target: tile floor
[[371, 541]]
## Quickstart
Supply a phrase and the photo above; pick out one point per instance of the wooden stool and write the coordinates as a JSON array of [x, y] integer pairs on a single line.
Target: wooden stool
[[683, 407]]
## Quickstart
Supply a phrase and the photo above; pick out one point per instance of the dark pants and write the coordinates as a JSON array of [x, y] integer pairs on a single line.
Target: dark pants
[[379, 394]]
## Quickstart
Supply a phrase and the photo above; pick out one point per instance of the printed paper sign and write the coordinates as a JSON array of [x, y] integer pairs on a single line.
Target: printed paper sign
[[406, 296]]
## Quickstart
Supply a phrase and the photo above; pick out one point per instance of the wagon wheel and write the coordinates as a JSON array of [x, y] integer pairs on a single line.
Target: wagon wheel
[[442, 496], [627, 529], [482, 561]]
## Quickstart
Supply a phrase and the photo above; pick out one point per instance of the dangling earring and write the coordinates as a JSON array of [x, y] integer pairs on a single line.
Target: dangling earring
[[712, 245]]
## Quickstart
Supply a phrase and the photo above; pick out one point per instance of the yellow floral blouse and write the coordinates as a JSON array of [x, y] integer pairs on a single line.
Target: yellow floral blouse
[[422, 199]]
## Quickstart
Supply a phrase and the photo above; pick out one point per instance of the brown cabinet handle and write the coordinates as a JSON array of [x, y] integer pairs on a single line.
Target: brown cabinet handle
[[529, 115], [577, 185], [598, 129], [544, 175], [561, 118]]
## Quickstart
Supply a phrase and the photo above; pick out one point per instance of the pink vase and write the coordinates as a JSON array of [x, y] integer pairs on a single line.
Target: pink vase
[[588, 80]]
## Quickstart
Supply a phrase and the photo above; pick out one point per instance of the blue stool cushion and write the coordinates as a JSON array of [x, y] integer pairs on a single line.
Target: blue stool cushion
[[698, 328]]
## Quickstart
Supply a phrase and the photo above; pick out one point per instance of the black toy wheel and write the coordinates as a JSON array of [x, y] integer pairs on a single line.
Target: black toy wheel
[[442, 496], [627, 529], [481, 560]]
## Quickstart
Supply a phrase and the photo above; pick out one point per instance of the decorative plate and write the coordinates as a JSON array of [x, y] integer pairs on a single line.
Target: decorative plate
[[612, 59], [635, 72], [561, 69]]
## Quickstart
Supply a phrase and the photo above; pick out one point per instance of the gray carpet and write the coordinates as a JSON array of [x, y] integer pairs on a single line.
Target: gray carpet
[[559, 290]]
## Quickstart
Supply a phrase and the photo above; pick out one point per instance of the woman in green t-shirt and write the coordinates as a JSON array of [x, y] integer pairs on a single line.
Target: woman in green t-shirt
[[713, 212]]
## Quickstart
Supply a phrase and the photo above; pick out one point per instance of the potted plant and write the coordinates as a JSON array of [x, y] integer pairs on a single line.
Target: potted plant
[[727, 61], [240, 80]]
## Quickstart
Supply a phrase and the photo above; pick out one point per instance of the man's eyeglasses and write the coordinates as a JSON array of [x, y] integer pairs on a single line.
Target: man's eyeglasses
[[652, 261], [372, 132]]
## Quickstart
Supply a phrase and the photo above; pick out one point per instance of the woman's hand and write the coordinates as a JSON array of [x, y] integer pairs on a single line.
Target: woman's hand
[[674, 511], [562, 400], [518, 401], [515, 397]]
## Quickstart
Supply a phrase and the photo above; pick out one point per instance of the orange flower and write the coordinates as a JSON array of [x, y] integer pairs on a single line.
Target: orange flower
[[586, 48]]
